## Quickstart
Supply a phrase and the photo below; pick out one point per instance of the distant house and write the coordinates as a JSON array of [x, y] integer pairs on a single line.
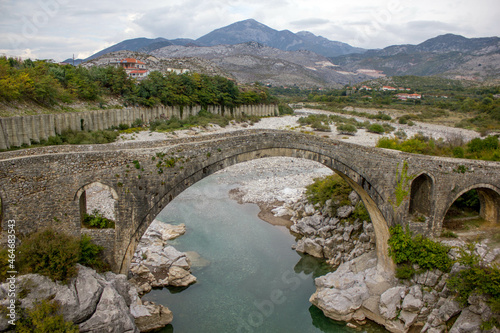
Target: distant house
[[404, 97], [388, 88], [365, 88], [178, 70], [134, 68]]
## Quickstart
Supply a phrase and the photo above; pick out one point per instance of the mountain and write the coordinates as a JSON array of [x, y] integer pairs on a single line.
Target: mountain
[[251, 61], [141, 44], [447, 55], [253, 31], [242, 32]]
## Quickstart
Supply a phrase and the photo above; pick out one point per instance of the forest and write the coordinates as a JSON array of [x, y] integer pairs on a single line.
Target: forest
[[48, 84]]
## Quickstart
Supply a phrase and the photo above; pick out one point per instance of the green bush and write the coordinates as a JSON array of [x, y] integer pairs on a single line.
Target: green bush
[[326, 188], [96, 220], [476, 279], [44, 318], [347, 129], [49, 253], [91, 254], [55, 254], [408, 250], [376, 128], [360, 212]]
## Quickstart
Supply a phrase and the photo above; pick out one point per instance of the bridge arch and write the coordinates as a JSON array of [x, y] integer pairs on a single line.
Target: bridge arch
[[81, 196], [422, 188], [361, 184], [489, 201]]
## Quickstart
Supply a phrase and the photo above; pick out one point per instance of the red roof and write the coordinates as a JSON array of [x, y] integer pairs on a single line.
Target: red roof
[[138, 71], [132, 61]]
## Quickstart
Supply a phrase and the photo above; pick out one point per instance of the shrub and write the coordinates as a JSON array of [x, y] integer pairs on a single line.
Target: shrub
[[55, 255], [376, 128], [326, 188], [408, 250], [476, 279], [347, 129], [49, 253], [96, 220], [44, 318], [91, 254], [360, 212]]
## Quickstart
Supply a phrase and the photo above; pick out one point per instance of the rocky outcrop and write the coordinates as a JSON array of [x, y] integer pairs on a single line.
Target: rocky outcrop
[[331, 232], [355, 291], [96, 302], [156, 264]]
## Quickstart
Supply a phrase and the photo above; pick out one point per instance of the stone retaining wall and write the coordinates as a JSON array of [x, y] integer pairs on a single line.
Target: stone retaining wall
[[24, 130]]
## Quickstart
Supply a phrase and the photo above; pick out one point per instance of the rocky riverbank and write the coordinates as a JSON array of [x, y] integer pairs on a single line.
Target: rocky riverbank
[[356, 291], [95, 302]]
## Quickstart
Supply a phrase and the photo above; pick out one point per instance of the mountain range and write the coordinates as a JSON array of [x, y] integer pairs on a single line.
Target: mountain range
[[250, 51]]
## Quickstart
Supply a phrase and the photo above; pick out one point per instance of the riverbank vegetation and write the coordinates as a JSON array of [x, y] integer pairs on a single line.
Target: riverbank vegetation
[[54, 254], [464, 103], [335, 191], [49, 84], [417, 254], [479, 149]]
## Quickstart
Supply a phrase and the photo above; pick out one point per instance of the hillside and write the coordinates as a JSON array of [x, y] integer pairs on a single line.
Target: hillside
[[250, 62], [249, 51], [448, 55]]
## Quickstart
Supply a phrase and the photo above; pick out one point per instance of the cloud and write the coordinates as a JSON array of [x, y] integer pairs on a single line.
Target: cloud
[[44, 26], [310, 22]]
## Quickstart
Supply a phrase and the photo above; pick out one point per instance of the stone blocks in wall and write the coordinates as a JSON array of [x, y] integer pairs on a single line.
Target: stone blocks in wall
[[23, 130]]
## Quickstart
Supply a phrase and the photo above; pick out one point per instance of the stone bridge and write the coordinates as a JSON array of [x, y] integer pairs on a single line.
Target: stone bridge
[[46, 187]]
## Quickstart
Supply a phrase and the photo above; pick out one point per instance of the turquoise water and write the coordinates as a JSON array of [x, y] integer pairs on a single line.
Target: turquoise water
[[254, 281]]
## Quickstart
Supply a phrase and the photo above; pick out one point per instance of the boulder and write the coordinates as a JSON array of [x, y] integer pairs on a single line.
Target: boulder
[[340, 294], [390, 302], [412, 304], [112, 315], [344, 211], [150, 317], [467, 322], [179, 277]]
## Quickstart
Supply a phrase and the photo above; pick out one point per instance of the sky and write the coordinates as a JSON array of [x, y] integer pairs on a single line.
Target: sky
[[57, 29]]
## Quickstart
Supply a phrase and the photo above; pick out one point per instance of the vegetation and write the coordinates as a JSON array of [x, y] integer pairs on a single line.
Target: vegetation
[[476, 279], [55, 254], [347, 129], [408, 251], [478, 106], [330, 187], [96, 220], [44, 317], [483, 149], [48, 84], [336, 189]]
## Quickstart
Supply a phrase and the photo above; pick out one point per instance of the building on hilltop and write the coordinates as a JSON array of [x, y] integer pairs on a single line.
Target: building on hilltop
[[134, 68]]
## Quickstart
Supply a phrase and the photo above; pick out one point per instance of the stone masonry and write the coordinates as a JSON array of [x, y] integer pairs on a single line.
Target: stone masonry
[[44, 187]]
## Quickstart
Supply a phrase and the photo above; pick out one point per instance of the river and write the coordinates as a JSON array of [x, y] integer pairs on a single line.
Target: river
[[251, 279]]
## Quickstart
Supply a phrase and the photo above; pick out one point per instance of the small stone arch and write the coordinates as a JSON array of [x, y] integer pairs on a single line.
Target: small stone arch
[[421, 195], [489, 200], [81, 196]]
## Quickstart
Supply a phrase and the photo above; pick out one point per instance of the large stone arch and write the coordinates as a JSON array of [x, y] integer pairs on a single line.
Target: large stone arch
[[360, 183], [489, 199]]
